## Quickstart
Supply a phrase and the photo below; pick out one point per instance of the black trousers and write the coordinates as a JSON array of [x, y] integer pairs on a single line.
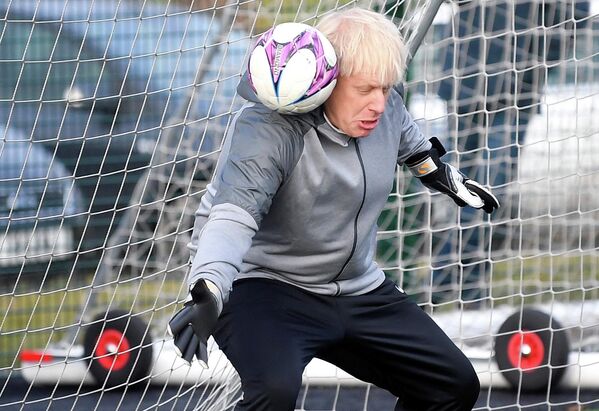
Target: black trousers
[[270, 330]]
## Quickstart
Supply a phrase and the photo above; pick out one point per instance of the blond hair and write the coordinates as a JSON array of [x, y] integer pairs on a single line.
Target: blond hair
[[366, 43]]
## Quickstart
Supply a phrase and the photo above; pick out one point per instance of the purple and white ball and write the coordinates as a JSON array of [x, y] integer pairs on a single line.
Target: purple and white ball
[[293, 68]]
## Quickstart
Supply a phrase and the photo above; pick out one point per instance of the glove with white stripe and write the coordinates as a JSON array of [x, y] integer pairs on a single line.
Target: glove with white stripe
[[445, 178]]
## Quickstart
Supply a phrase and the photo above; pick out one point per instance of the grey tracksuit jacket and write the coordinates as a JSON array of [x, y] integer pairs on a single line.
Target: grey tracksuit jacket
[[294, 200]]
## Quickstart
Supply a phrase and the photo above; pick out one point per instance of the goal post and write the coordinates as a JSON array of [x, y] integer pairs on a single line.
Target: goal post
[[112, 115]]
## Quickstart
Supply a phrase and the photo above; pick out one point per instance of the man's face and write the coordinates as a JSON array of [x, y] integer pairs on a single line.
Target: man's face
[[356, 104]]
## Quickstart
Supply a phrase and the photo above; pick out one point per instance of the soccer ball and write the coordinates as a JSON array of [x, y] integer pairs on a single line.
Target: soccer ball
[[293, 68]]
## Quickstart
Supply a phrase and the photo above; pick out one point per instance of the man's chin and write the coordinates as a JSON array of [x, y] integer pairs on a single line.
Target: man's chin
[[361, 133]]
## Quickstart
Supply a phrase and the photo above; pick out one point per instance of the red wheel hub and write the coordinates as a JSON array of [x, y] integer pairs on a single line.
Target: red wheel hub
[[113, 350], [526, 350]]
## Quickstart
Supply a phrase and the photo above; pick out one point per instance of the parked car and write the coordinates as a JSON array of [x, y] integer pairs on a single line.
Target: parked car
[[88, 90]]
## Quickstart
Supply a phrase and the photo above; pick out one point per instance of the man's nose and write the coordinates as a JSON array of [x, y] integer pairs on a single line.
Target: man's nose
[[378, 102]]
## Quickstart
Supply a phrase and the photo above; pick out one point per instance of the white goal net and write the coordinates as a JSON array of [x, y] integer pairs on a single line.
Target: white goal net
[[112, 114]]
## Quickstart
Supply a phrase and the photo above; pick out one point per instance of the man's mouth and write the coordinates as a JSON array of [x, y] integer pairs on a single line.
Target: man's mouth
[[369, 124]]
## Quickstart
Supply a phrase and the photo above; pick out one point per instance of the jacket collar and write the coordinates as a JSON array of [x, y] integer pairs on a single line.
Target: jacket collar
[[325, 128]]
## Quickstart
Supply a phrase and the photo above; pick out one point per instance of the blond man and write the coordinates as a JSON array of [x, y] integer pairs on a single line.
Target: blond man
[[284, 238]]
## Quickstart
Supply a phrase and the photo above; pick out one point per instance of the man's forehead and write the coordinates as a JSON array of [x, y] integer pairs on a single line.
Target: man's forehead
[[366, 80]]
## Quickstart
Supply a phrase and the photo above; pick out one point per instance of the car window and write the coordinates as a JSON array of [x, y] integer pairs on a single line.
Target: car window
[[43, 61]]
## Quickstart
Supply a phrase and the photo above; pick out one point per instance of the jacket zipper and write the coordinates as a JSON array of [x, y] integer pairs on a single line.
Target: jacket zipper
[[353, 249]]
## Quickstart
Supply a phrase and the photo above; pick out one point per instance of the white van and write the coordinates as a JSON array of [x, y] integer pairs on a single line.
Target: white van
[[557, 186]]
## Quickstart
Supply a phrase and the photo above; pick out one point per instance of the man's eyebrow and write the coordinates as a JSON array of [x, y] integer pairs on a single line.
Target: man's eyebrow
[[370, 84]]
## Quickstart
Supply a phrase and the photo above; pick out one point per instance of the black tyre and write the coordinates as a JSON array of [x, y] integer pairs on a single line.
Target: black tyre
[[118, 348], [532, 350]]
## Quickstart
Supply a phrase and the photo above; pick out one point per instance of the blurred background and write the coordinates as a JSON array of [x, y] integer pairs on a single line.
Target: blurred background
[[112, 114]]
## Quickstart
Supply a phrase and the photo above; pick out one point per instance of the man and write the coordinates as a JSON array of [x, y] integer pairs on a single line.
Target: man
[[285, 236]]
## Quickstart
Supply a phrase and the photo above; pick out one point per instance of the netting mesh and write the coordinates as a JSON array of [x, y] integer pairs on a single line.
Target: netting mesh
[[112, 116]]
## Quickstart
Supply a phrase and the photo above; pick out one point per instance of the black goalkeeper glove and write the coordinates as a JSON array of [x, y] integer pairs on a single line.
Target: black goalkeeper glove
[[445, 178], [193, 324]]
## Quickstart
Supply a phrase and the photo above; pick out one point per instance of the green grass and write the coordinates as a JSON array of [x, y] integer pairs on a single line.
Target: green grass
[[568, 277]]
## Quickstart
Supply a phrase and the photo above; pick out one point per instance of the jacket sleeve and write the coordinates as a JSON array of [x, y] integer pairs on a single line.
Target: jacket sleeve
[[258, 155], [412, 140]]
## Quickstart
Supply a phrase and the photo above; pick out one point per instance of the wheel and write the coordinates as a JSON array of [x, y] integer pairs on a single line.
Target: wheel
[[118, 348], [532, 351]]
